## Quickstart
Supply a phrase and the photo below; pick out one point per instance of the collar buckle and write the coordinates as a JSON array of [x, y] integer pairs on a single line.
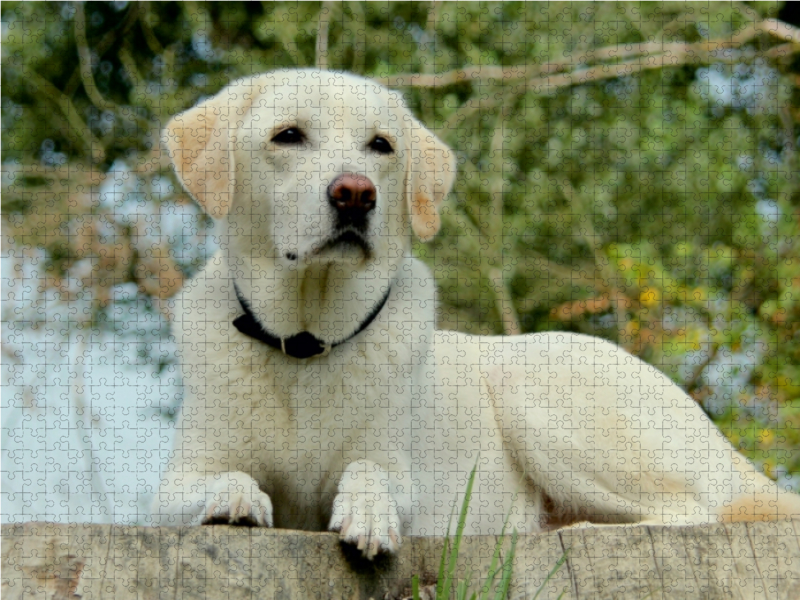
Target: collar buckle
[[300, 345]]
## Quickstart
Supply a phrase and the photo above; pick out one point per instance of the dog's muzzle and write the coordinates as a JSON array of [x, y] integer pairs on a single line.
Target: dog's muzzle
[[353, 197]]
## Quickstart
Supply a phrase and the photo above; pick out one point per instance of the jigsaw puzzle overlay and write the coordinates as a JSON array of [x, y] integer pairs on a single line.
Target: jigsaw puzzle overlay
[[304, 265]]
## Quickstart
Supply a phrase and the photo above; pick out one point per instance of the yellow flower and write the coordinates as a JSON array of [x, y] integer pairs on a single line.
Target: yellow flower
[[649, 296], [626, 263], [766, 437]]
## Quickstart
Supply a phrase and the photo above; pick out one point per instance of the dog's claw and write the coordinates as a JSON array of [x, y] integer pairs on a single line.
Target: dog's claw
[[368, 521]]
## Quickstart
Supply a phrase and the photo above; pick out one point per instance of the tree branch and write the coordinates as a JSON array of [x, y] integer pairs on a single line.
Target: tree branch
[[656, 55], [505, 305], [85, 59], [147, 29], [471, 73], [694, 379], [103, 46], [322, 35], [78, 130]]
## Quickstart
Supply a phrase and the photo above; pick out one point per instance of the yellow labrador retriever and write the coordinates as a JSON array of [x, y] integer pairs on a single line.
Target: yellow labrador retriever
[[318, 394]]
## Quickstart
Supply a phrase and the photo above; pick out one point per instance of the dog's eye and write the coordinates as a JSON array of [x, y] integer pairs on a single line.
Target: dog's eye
[[291, 136], [381, 145]]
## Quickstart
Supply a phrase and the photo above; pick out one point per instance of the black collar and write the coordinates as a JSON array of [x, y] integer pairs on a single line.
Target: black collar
[[299, 345]]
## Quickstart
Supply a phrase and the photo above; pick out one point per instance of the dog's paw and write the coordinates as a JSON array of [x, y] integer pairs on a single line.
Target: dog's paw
[[368, 520], [236, 499], [364, 511]]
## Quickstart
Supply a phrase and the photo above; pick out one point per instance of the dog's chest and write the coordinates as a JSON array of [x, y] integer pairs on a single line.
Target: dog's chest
[[292, 424], [319, 410], [307, 420]]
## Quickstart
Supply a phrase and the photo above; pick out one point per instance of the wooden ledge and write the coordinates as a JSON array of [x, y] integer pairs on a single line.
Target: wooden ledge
[[47, 560]]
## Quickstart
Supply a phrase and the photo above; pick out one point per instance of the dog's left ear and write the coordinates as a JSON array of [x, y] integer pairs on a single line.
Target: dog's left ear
[[431, 171], [200, 142]]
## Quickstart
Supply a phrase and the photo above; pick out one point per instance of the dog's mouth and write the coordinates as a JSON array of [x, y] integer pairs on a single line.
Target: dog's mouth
[[346, 241]]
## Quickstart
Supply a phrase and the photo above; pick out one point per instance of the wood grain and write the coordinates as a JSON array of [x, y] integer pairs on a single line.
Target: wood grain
[[57, 562]]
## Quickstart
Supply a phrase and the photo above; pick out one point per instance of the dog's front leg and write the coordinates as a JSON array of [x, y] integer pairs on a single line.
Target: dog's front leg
[[364, 510]]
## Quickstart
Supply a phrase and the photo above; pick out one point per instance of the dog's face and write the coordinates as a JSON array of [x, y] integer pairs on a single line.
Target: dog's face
[[312, 167], [327, 157]]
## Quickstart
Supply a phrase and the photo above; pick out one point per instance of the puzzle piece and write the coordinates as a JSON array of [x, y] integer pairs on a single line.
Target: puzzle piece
[[221, 278]]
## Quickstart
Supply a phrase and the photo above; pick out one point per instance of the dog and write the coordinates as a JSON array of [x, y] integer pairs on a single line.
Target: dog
[[318, 394]]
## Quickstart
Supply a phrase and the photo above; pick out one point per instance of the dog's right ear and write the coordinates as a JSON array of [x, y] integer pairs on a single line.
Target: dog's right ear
[[431, 171], [200, 142]]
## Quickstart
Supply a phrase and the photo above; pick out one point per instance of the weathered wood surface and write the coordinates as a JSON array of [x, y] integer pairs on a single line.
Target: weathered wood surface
[[743, 560]]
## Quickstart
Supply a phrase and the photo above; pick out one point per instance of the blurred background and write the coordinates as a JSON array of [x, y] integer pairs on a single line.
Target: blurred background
[[626, 170]]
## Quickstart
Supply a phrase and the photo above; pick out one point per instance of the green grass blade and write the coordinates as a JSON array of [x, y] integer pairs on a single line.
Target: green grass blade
[[493, 569], [508, 569], [461, 590], [440, 581], [442, 563], [462, 521], [415, 587], [552, 572]]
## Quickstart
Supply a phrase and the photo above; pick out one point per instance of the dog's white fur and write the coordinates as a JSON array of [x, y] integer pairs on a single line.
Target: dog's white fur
[[377, 438]]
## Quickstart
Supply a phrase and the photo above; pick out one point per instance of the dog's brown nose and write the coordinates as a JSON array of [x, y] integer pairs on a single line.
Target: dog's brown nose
[[351, 193]]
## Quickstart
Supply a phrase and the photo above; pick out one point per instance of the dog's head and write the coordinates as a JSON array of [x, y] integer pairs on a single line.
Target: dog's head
[[312, 166]]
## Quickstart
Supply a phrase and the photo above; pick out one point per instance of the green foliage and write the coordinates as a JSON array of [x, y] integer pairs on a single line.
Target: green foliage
[[650, 197]]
